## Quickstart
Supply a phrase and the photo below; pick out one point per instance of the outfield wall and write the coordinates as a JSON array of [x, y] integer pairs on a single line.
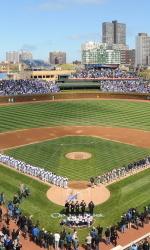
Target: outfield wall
[[73, 95]]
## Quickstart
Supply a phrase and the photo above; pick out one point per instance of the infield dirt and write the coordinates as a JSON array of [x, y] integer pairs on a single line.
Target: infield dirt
[[14, 139]]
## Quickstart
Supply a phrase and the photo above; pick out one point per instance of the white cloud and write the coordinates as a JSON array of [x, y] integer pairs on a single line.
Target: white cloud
[[84, 36], [51, 5], [89, 1], [29, 47]]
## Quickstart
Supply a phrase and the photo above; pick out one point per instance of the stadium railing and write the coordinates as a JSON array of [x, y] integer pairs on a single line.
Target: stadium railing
[[128, 246]]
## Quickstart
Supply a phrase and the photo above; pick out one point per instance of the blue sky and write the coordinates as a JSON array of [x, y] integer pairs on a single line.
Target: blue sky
[[46, 25]]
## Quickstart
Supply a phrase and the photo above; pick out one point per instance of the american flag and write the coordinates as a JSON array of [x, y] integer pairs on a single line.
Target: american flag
[[72, 197]]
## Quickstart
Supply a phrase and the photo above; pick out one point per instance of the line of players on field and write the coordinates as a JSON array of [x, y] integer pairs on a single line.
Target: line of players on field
[[51, 177], [38, 172], [121, 172]]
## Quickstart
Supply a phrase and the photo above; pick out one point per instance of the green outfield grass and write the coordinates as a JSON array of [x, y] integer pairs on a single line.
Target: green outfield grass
[[131, 192], [106, 155], [92, 112]]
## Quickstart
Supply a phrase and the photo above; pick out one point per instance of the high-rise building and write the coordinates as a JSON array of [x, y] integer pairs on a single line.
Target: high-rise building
[[114, 33], [57, 57], [142, 55], [107, 33], [99, 53], [12, 57], [18, 56], [132, 57], [127, 56], [25, 55], [103, 53]]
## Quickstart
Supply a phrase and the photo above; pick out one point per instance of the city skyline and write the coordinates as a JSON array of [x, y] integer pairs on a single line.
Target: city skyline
[[41, 26]]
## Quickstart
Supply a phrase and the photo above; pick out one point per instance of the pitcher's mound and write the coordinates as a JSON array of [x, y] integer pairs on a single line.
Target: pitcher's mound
[[98, 194], [78, 155]]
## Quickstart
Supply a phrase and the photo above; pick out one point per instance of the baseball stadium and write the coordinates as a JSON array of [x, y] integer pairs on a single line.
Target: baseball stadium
[[72, 145]]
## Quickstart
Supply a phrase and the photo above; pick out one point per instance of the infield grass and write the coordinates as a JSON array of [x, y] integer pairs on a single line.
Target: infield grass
[[106, 155], [130, 192], [114, 113]]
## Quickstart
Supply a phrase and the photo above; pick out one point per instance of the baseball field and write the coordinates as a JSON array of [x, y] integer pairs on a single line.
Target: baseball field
[[114, 132]]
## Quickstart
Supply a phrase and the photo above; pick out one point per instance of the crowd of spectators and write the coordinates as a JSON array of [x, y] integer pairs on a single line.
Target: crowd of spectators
[[10, 239], [110, 80], [141, 245], [103, 73], [125, 86], [35, 171], [118, 173], [26, 87], [110, 235], [115, 80]]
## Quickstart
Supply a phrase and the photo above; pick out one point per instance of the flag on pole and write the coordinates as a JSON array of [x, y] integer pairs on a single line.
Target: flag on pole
[[73, 197]]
